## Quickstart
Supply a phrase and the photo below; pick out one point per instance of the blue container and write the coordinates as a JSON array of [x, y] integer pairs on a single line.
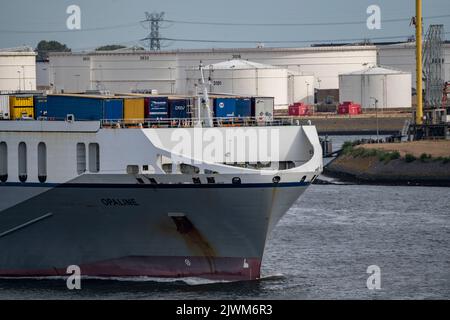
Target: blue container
[[40, 106], [225, 107], [243, 107], [113, 109], [84, 108], [156, 108], [179, 109]]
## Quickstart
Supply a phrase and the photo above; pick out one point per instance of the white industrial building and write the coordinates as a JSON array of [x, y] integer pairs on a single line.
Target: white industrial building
[[389, 88], [242, 77], [308, 69], [17, 69], [167, 71]]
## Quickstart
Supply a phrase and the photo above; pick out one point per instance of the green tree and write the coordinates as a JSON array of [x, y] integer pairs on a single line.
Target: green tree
[[110, 47], [44, 47]]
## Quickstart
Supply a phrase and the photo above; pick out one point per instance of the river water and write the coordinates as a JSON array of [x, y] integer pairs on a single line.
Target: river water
[[321, 249]]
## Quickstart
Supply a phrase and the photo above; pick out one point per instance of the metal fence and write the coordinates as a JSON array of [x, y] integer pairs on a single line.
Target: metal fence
[[195, 122]]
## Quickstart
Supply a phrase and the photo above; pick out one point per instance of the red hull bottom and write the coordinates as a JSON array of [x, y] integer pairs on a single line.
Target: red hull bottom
[[214, 268]]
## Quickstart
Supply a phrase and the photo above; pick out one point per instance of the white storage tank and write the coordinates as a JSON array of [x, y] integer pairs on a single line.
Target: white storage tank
[[301, 88], [17, 69], [392, 88], [130, 71], [241, 77]]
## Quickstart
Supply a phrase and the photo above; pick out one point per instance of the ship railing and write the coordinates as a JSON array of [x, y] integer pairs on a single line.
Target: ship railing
[[193, 122]]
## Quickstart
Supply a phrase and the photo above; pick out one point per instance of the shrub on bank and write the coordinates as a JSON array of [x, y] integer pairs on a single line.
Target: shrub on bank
[[444, 160], [352, 149], [410, 158], [384, 156], [424, 157]]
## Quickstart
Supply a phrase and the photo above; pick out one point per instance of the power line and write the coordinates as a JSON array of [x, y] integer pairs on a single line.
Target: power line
[[365, 40], [303, 24], [120, 26], [290, 41], [134, 24]]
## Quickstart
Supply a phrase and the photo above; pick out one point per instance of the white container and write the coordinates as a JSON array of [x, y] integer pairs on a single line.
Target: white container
[[4, 107], [263, 109]]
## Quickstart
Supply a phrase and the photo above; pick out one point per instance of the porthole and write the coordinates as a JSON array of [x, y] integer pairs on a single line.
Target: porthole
[[3, 162], [276, 179], [236, 180], [22, 162], [42, 162]]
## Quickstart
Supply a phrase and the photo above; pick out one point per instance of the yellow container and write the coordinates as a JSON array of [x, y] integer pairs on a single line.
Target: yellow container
[[20, 112], [133, 109], [21, 101]]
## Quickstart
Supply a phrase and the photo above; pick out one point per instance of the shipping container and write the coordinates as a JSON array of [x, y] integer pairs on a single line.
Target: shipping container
[[348, 107], [21, 113], [262, 108], [179, 108], [225, 108], [4, 107], [243, 107], [156, 107], [21, 101], [133, 108], [232, 107], [300, 110], [113, 109], [40, 106], [84, 108]]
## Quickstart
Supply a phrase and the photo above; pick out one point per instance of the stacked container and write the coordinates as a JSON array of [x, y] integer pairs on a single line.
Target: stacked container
[[4, 107], [133, 109], [84, 107], [232, 107], [21, 106], [179, 108], [156, 107], [262, 108], [40, 106]]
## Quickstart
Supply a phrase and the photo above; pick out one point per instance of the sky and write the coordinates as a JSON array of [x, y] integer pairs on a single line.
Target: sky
[[26, 22]]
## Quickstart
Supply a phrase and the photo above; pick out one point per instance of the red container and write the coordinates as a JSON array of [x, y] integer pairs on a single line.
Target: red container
[[354, 109], [299, 109], [348, 107]]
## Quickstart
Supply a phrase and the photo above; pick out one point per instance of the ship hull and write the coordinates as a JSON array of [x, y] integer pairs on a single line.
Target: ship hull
[[129, 230]]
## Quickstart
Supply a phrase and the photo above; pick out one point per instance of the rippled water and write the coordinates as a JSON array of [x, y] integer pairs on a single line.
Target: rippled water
[[320, 250]]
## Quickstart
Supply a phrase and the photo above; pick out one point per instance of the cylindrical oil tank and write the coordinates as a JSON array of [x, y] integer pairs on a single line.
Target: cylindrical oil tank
[[301, 88], [243, 78], [129, 71], [390, 88]]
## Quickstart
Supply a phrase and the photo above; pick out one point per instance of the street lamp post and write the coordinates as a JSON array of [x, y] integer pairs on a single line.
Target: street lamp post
[[23, 75], [376, 116], [18, 71], [307, 92]]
